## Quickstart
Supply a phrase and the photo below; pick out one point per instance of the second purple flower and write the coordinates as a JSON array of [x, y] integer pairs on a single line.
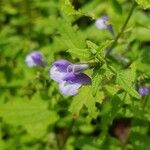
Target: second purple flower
[[102, 23]]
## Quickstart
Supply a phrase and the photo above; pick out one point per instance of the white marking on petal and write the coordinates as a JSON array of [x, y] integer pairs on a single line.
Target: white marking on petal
[[29, 61], [69, 89], [56, 75]]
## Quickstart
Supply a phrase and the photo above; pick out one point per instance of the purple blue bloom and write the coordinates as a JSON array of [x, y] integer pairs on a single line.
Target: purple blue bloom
[[35, 58], [59, 70], [101, 23], [69, 89], [143, 91], [69, 76]]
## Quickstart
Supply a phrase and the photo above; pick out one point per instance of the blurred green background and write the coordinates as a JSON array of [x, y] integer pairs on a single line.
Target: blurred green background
[[33, 114]]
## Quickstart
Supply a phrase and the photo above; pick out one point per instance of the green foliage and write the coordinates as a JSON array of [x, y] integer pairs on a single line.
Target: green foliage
[[84, 99], [98, 74], [74, 40], [34, 115], [125, 79], [68, 8], [117, 7], [144, 3]]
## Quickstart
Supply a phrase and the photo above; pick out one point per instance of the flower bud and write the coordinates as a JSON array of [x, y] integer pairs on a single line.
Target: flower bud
[[35, 58]]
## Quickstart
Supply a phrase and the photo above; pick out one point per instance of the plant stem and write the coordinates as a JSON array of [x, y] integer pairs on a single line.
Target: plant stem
[[145, 102], [120, 58], [122, 29], [61, 145]]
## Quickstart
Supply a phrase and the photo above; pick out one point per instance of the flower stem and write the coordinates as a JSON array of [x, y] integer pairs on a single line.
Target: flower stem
[[68, 134], [145, 102], [122, 29]]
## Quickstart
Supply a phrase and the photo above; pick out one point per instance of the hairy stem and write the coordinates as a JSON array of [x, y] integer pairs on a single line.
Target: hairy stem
[[122, 29]]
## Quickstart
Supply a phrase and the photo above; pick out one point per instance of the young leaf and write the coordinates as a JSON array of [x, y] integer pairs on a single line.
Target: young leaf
[[98, 51], [98, 74], [125, 79], [104, 45], [80, 53], [92, 46]]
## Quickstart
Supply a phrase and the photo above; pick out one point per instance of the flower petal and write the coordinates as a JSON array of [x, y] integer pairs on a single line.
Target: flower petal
[[143, 91], [61, 65], [77, 78], [56, 74], [69, 89], [35, 58], [100, 23], [77, 68], [29, 61]]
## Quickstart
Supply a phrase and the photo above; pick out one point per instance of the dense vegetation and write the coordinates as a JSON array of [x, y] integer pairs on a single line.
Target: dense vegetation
[[112, 111]]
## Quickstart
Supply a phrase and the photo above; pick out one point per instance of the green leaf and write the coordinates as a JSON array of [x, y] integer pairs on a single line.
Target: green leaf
[[98, 74], [116, 105], [33, 115], [68, 8], [125, 79], [74, 40], [101, 51], [144, 67], [92, 46], [84, 99], [71, 35], [145, 56], [104, 45], [116, 6], [143, 62], [98, 51], [144, 3], [80, 53], [98, 48], [2, 144]]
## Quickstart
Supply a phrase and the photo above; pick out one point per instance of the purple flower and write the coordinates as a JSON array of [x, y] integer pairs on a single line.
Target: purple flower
[[35, 58], [59, 70], [72, 82], [101, 23], [143, 91], [69, 76]]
